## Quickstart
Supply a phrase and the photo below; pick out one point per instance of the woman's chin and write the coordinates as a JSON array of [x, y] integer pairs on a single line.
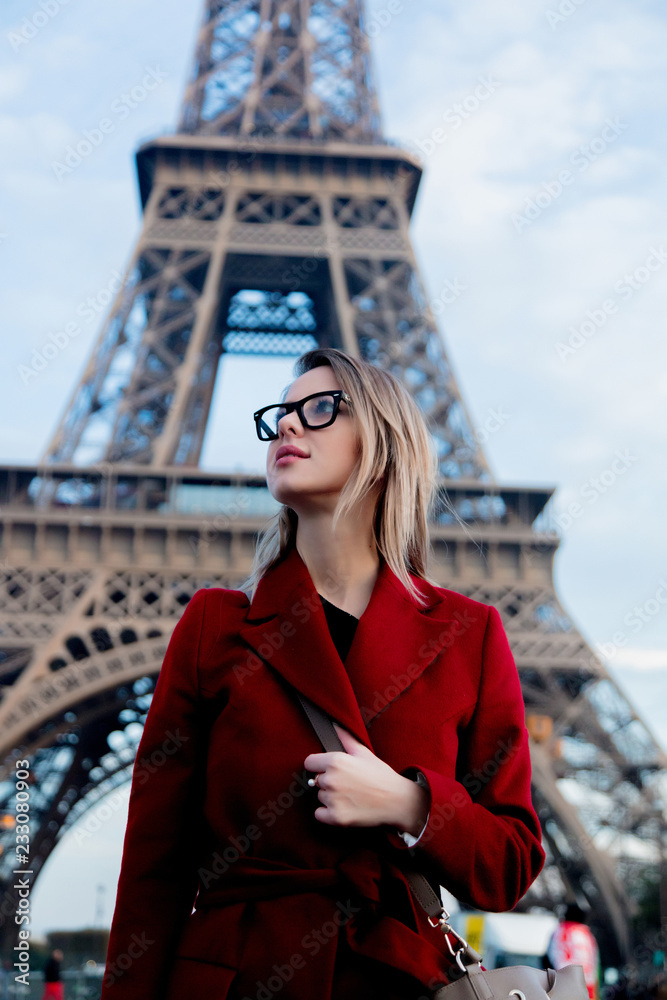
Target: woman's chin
[[282, 495]]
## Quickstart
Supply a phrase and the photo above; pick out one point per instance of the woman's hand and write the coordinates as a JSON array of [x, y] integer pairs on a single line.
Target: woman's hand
[[356, 788]]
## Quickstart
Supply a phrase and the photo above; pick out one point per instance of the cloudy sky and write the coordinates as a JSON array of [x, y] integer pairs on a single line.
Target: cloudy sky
[[540, 126]]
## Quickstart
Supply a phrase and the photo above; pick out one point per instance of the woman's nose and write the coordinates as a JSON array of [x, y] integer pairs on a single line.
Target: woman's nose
[[290, 422]]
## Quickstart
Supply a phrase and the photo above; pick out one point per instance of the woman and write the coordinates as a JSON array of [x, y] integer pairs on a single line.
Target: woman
[[299, 887], [53, 984]]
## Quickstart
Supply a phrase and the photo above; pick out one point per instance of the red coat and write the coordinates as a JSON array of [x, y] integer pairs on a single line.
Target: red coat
[[289, 906]]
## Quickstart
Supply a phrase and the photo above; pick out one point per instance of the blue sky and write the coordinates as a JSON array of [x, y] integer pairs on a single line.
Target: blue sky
[[543, 203]]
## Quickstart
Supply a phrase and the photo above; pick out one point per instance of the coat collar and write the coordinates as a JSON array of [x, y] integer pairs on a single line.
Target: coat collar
[[394, 643]]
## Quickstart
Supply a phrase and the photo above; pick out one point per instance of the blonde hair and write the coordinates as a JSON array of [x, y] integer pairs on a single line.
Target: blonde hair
[[398, 459]]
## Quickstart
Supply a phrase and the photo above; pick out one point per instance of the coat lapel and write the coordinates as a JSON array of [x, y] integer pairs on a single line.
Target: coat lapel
[[394, 643]]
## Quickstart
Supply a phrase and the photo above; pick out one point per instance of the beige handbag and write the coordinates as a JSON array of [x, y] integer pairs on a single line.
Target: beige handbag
[[473, 983]]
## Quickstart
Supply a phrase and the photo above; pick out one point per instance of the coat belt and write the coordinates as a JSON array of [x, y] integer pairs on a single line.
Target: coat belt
[[361, 875]]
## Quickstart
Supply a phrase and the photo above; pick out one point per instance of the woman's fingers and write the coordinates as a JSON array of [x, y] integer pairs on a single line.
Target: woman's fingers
[[319, 761]]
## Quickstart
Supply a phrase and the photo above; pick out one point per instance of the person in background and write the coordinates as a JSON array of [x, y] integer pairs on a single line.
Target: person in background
[[53, 986], [572, 943]]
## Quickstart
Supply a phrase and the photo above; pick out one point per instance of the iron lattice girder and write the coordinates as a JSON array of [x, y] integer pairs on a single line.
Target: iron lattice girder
[[168, 324], [108, 627], [71, 768], [605, 889], [297, 68]]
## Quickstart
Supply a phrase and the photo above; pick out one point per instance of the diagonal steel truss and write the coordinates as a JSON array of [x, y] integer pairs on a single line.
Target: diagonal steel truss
[[146, 393], [82, 645], [283, 68]]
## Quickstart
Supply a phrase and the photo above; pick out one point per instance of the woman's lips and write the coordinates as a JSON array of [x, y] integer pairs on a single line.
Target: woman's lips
[[284, 459]]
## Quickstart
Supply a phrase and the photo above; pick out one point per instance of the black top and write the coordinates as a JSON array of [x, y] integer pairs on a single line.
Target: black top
[[52, 970], [342, 626]]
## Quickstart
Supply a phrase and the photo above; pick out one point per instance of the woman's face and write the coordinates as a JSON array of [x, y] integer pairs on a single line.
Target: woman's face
[[316, 480]]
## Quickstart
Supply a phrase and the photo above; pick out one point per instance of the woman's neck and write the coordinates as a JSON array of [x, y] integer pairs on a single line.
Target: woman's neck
[[343, 567]]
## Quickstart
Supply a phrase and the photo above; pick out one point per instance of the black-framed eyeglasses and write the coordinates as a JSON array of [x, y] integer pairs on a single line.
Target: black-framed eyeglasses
[[317, 410]]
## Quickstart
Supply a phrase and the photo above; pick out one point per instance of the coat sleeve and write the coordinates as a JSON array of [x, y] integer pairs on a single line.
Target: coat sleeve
[[482, 841], [409, 839], [158, 877]]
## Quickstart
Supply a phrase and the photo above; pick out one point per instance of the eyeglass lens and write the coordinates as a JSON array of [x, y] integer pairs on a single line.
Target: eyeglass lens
[[316, 411]]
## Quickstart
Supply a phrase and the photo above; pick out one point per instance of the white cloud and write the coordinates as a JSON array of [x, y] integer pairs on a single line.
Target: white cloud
[[13, 80], [638, 659], [526, 291], [65, 51], [32, 138]]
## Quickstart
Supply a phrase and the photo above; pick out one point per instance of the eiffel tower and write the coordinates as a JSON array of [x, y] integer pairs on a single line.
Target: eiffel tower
[[276, 219]]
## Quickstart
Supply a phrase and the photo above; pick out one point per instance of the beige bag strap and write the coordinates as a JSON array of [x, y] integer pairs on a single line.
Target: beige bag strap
[[464, 954]]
